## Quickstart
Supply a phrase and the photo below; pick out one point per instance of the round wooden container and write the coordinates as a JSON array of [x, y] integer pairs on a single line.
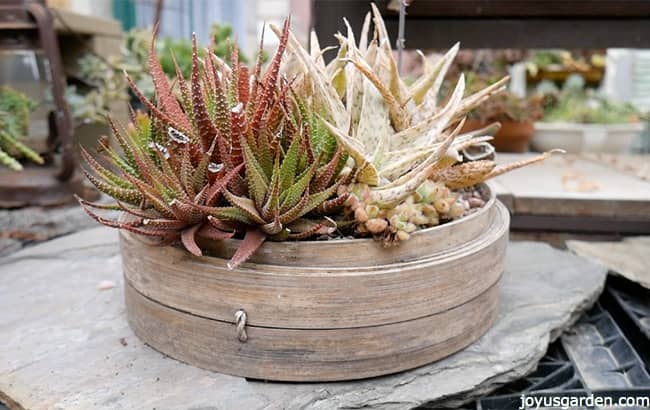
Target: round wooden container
[[320, 310]]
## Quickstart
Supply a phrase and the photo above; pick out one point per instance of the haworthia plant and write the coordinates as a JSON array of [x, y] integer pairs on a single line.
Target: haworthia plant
[[237, 152], [399, 136]]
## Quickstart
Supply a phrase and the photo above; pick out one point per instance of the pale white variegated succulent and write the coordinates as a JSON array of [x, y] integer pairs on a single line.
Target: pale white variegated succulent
[[398, 135]]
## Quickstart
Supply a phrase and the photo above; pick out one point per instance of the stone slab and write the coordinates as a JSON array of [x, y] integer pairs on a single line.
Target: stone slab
[[65, 343], [637, 165], [629, 258], [27, 226], [571, 186]]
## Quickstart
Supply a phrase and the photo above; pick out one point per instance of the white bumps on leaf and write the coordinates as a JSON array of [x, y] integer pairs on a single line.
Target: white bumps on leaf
[[177, 136], [237, 109], [213, 167], [161, 148]]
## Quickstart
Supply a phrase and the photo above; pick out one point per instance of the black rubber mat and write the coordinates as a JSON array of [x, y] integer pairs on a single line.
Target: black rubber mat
[[605, 354]]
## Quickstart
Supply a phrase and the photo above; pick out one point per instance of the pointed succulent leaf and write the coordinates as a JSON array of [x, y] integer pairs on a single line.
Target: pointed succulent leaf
[[326, 173], [230, 213], [474, 100], [152, 196], [253, 239], [323, 89], [502, 169], [374, 127], [188, 238], [270, 78], [104, 173], [256, 178], [272, 201], [295, 211], [213, 192], [398, 116], [368, 173], [166, 99], [426, 132], [246, 205], [131, 196], [155, 111], [421, 87], [318, 198], [290, 163], [465, 174], [257, 74], [292, 195], [210, 232], [206, 129]]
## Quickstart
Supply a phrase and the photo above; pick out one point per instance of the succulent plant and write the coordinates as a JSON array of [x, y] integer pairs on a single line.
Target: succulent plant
[[178, 161], [287, 178], [100, 85], [505, 106], [280, 155], [233, 154], [576, 104], [398, 136], [15, 110]]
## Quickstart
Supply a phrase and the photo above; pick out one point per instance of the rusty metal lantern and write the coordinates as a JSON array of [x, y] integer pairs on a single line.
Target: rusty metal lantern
[[30, 60]]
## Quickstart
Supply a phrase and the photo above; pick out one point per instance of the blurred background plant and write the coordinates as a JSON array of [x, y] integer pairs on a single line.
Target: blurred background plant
[[15, 110], [575, 103], [96, 85], [505, 106], [558, 65], [99, 81], [515, 114]]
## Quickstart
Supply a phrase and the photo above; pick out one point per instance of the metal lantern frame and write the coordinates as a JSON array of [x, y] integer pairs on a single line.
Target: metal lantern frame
[[55, 182]]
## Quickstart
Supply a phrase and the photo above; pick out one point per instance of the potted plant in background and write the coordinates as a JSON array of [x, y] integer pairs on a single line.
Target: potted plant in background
[[98, 84], [578, 120], [307, 218], [515, 114], [94, 91], [558, 65]]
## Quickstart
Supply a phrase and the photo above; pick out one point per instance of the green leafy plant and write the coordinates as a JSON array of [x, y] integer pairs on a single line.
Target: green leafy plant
[[576, 104], [562, 60], [15, 110]]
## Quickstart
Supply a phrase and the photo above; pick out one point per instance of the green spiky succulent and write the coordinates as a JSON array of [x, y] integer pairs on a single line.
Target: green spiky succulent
[[399, 136], [233, 155], [177, 162], [15, 110], [287, 178]]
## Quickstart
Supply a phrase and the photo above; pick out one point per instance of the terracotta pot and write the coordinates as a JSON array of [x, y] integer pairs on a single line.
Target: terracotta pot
[[511, 137], [321, 310]]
